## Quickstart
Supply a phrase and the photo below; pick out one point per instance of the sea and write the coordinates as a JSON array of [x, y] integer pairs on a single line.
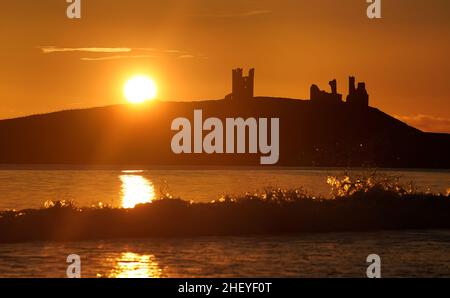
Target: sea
[[402, 253]]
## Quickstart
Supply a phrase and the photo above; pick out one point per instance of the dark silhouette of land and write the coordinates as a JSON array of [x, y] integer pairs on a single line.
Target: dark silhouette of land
[[360, 205], [323, 131]]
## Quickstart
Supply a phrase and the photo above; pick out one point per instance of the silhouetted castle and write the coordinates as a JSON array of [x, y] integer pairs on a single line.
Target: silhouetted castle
[[321, 96], [243, 87], [356, 96]]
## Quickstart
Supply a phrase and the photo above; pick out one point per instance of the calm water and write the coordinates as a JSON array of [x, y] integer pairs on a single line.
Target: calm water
[[403, 254], [30, 187]]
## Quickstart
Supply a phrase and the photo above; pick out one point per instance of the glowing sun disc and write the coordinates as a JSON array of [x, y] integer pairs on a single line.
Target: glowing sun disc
[[140, 89]]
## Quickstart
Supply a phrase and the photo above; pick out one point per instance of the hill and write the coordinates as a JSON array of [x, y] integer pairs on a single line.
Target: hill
[[311, 134]]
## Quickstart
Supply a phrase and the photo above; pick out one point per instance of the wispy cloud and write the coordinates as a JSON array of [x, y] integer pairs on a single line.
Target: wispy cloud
[[122, 53], [187, 56], [118, 57], [250, 13], [173, 51], [253, 13], [427, 123], [50, 50]]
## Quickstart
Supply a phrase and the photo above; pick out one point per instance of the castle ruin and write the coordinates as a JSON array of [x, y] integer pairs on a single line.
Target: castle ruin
[[321, 96], [243, 89], [242, 86], [356, 96]]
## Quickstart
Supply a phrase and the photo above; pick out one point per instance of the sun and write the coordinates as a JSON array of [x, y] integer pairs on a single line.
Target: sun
[[139, 89]]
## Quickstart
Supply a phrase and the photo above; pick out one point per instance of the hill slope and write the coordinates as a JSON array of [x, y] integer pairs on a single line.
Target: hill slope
[[310, 135]]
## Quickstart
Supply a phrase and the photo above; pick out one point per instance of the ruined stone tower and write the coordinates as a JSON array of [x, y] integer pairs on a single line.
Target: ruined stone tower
[[357, 96], [323, 97], [243, 86]]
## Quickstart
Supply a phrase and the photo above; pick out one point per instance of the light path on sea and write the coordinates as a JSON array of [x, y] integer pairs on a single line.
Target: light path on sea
[[29, 187]]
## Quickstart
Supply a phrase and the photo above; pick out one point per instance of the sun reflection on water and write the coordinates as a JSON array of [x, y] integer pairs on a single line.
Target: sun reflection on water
[[136, 190], [132, 265]]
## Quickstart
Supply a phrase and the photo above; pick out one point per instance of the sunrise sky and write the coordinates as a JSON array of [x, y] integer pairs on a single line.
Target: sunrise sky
[[189, 47]]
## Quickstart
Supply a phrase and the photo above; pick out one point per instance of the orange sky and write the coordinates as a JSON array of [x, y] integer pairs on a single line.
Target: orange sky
[[189, 47]]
